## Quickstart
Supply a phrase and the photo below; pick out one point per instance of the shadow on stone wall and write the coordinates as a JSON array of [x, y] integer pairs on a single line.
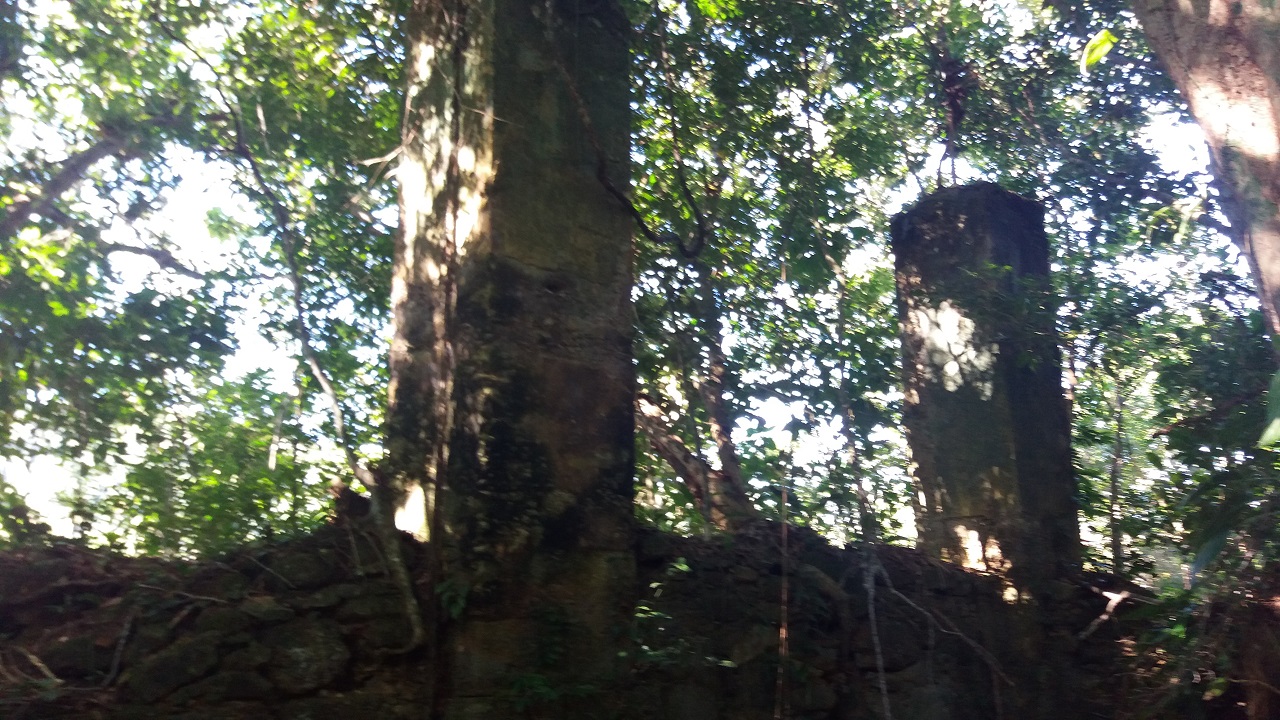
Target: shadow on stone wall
[[307, 629]]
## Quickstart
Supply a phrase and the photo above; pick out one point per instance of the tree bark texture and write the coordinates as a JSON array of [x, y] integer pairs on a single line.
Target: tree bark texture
[[984, 411], [1224, 56], [511, 430]]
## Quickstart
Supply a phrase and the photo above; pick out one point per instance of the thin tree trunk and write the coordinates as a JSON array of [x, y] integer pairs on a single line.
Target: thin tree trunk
[[1117, 469], [716, 383], [720, 494]]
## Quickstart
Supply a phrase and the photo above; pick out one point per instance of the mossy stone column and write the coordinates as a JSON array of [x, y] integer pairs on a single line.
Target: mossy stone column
[[986, 422], [511, 424]]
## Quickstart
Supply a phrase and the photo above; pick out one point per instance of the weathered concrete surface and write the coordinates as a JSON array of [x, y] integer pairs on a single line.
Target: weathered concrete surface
[[986, 421]]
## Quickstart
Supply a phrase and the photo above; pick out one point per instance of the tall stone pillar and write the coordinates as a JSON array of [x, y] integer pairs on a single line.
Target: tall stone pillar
[[986, 422], [511, 430]]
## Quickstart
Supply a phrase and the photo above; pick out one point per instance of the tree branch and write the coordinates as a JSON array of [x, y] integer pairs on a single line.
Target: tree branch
[[1212, 413], [71, 171], [720, 497], [691, 468], [383, 517], [162, 257]]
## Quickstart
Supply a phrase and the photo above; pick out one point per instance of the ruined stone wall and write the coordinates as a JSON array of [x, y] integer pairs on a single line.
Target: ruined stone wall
[[946, 646], [303, 630], [309, 630]]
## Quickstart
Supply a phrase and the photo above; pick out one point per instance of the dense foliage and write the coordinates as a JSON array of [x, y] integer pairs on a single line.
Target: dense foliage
[[120, 312], [773, 140]]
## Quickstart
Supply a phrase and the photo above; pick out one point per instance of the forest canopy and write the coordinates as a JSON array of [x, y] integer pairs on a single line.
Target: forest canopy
[[203, 379]]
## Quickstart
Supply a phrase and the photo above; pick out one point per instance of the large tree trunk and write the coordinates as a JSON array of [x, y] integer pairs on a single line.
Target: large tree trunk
[[984, 411], [1224, 56], [511, 431]]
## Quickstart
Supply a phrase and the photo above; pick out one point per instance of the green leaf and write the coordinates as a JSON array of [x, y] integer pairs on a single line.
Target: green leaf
[[1271, 435], [717, 9], [1096, 49], [1208, 551]]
